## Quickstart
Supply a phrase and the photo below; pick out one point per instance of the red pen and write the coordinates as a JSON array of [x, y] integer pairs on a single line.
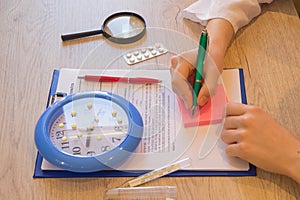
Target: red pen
[[140, 80]]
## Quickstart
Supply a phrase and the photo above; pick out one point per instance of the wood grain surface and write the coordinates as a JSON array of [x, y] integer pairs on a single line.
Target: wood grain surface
[[267, 49]]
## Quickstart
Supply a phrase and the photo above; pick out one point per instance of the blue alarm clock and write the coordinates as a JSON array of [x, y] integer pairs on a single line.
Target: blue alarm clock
[[89, 132]]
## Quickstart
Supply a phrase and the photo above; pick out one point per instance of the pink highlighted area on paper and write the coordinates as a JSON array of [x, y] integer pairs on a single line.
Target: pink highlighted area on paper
[[210, 113]]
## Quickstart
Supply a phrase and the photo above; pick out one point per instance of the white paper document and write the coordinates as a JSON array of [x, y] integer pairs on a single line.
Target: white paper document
[[165, 140]]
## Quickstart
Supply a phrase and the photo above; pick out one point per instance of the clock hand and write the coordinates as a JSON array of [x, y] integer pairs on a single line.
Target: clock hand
[[88, 140], [88, 137]]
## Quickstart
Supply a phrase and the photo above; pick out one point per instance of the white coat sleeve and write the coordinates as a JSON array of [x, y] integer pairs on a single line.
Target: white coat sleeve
[[238, 12]]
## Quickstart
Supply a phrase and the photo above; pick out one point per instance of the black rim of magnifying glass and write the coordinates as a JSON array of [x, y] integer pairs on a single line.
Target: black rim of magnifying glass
[[73, 36]]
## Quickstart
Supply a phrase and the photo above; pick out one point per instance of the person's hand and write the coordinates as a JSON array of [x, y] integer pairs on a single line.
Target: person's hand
[[183, 77], [252, 135], [220, 32]]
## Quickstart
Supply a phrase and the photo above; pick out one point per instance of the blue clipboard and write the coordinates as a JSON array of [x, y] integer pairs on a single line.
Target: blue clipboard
[[39, 173]]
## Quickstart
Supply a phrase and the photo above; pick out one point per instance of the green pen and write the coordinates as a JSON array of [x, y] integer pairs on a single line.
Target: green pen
[[199, 67]]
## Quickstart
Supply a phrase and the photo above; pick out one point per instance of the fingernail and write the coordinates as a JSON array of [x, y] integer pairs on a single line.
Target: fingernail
[[203, 100]]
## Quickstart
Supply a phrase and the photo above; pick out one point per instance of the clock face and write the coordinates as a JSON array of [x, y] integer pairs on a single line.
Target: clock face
[[88, 132], [89, 127]]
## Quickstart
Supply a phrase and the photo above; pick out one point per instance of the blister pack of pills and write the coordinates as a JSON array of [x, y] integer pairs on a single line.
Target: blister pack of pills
[[146, 53]]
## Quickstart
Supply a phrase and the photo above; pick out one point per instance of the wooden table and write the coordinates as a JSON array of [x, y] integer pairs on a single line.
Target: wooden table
[[267, 49]]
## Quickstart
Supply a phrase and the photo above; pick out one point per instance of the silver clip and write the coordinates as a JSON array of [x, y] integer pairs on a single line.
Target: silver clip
[[56, 96]]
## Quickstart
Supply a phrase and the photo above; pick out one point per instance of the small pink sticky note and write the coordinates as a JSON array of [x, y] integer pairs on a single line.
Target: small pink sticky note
[[210, 113]]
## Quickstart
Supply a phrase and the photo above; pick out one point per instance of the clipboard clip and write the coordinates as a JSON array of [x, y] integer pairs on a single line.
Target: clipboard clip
[[56, 96]]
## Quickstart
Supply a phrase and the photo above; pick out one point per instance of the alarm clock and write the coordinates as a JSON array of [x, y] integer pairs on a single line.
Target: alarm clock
[[89, 132]]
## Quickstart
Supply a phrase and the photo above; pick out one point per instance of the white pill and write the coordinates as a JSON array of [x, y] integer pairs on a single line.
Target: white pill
[[153, 52], [139, 57], [132, 60], [128, 55], [146, 55]]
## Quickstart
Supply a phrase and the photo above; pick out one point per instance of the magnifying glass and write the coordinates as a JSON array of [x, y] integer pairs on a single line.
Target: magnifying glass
[[122, 27]]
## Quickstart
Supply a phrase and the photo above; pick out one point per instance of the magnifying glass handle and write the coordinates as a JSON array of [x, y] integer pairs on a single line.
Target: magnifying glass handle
[[72, 36]]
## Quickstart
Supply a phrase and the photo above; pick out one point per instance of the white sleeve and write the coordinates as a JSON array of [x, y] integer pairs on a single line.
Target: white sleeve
[[237, 12]]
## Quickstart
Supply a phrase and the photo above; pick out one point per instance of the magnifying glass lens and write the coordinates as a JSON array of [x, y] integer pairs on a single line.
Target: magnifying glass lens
[[124, 26]]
